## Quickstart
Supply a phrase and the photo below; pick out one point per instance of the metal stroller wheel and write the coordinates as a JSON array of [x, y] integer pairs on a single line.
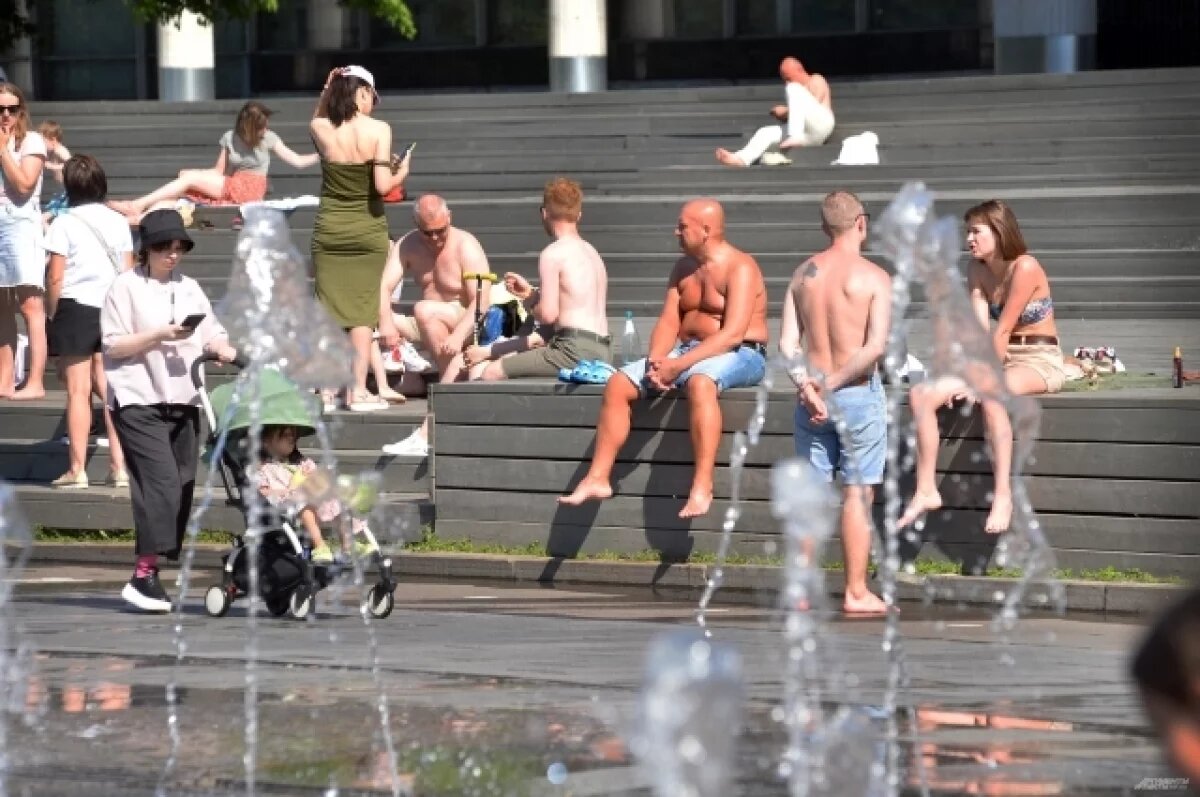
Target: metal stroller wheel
[[217, 600], [301, 603], [380, 601]]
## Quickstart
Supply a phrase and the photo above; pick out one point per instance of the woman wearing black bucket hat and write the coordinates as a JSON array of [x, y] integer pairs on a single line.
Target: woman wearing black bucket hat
[[155, 323]]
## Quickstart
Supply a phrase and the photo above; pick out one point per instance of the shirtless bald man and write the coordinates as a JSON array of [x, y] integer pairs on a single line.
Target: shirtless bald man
[[437, 255], [836, 316], [710, 336], [808, 115], [570, 304]]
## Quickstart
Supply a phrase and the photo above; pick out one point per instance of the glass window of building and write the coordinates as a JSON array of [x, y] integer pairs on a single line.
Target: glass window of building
[[762, 17], [822, 16], [439, 22], [87, 49], [518, 21], [699, 19], [924, 14], [286, 30]]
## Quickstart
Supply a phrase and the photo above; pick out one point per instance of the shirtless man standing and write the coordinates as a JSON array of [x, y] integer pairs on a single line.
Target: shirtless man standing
[[836, 317], [437, 255], [710, 336], [808, 115], [571, 299]]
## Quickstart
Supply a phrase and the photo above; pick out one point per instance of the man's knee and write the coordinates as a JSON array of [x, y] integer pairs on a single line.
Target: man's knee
[[620, 388], [494, 372], [422, 312], [701, 388]]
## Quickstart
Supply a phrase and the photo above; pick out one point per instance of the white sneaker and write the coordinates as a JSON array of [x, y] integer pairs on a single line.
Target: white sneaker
[[412, 446], [392, 362], [412, 359]]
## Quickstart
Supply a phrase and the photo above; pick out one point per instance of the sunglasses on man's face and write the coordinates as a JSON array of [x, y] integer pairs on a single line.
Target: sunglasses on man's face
[[440, 231], [172, 247]]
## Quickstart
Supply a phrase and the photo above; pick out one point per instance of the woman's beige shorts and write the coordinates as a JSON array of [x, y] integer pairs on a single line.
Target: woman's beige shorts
[[1046, 360]]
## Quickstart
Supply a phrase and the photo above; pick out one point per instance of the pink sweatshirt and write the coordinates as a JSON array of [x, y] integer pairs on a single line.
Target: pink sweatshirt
[[161, 374]]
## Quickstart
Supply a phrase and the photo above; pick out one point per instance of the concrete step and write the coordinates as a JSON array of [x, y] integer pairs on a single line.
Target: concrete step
[[42, 420], [43, 461], [108, 508]]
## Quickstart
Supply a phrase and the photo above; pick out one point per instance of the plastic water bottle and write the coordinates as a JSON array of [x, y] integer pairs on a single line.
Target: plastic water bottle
[[631, 344]]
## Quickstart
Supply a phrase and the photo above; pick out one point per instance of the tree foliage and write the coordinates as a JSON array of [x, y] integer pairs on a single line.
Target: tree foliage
[[395, 12], [15, 23]]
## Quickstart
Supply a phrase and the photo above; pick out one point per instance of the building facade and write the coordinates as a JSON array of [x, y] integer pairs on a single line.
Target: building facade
[[93, 49]]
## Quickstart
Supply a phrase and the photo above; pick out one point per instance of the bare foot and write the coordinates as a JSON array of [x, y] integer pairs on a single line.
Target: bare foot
[[697, 504], [1000, 516], [919, 505], [866, 603], [28, 393], [587, 490], [728, 158]]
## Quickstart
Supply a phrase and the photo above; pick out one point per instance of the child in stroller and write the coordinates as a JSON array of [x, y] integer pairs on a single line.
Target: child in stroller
[[296, 493], [288, 478]]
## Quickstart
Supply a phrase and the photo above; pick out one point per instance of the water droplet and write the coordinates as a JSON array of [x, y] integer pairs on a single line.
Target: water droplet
[[556, 773]]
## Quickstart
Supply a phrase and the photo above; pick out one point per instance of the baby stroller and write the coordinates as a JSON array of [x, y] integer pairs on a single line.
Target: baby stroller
[[287, 580]]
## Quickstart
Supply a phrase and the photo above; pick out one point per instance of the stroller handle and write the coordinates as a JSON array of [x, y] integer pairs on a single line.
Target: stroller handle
[[239, 362]]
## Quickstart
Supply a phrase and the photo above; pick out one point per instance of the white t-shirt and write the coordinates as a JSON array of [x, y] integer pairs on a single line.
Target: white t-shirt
[[90, 271], [33, 144]]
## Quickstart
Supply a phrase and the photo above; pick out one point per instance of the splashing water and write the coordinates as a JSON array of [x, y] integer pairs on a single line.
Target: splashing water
[[274, 315], [689, 715], [897, 235], [742, 442], [805, 505], [16, 541]]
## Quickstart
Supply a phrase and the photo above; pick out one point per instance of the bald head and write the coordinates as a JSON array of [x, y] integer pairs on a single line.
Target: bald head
[[840, 212], [708, 213], [701, 224], [430, 211], [791, 70]]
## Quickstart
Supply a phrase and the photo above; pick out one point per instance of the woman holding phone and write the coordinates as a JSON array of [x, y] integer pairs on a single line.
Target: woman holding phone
[[155, 324], [350, 234]]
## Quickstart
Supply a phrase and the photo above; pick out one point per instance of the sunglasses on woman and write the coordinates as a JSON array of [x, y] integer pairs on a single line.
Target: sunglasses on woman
[[169, 246]]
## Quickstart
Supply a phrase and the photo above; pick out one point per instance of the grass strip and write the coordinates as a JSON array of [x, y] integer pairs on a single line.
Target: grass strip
[[430, 542]]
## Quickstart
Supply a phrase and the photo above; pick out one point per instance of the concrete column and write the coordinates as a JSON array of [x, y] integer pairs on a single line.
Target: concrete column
[[578, 46], [326, 25], [1044, 35], [185, 60]]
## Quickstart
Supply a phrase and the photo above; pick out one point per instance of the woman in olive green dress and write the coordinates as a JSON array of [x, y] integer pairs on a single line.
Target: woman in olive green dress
[[350, 237]]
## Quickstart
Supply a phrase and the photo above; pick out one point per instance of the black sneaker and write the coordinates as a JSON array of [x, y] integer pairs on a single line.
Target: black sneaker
[[147, 593]]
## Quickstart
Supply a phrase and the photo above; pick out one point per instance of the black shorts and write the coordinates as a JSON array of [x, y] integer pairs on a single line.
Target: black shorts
[[75, 330]]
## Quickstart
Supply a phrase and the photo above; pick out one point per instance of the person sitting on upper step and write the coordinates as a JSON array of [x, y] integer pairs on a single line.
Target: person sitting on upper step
[[808, 115], [569, 304], [710, 336], [239, 175]]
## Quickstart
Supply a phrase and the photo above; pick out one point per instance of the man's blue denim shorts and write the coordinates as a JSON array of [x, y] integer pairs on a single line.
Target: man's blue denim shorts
[[745, 366], [860, 456]]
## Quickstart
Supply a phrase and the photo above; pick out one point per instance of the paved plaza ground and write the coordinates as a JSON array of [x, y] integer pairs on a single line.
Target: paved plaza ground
[[492, 686]]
